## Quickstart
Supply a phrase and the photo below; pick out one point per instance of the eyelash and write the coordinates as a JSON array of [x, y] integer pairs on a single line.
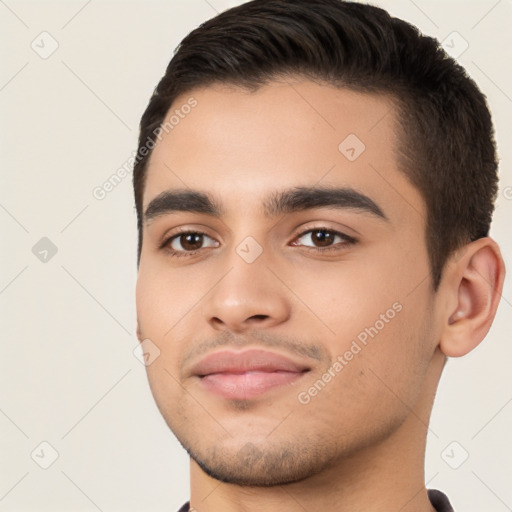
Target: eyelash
[[348, 241]]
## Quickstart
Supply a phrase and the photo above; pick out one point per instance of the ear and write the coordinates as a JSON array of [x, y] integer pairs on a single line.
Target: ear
[[473, 286]]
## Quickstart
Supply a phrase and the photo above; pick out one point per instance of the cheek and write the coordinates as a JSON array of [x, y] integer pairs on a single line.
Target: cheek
[[347, 297], [379, 332], [149, 299], [377, 379], [162, 300], [383, 290], [158, 312]]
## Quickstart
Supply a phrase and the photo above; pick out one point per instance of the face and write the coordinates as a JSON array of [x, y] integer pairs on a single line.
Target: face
[[291, 231]]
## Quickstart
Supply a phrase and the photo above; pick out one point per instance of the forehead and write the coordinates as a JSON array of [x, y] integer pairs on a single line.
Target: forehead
[[241, 146]]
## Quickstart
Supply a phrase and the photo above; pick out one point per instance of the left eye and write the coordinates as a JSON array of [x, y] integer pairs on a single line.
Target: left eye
[[320, 237]]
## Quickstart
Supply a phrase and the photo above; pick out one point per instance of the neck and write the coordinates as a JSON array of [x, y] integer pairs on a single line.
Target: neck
[[388, 475]]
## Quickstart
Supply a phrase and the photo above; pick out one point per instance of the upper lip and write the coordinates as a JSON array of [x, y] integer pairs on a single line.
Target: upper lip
[[228, 361]]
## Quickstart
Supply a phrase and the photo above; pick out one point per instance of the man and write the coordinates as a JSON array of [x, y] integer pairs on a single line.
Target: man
[[314, 187]]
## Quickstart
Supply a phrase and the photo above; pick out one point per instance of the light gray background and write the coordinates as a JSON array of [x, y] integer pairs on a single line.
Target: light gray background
[[67, 369]]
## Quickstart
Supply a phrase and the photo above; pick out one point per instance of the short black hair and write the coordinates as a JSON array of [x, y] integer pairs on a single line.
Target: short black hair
[[445, 135]]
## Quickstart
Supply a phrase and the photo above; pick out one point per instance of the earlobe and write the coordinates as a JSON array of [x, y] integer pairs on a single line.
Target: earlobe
[[475, 283]]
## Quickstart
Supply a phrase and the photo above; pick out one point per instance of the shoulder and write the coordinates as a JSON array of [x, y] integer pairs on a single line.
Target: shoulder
[[439, 501]]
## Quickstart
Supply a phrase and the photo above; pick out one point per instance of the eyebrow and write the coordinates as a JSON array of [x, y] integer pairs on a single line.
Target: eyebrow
[[280, 202]]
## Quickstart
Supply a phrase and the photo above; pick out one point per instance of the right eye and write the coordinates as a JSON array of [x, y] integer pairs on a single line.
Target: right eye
[[187, 243]]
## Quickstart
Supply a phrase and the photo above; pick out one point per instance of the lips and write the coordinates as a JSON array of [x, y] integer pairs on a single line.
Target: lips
[[247, 361], [247, 374]]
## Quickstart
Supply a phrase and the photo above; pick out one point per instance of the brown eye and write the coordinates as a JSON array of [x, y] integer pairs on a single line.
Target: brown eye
[[188, 242], [191, 241], [324, 238]]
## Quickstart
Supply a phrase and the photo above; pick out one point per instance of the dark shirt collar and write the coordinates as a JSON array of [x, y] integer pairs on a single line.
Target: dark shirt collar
[[438, 499]]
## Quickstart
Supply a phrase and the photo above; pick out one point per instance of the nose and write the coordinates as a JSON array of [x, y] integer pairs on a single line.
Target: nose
[[248, 296]]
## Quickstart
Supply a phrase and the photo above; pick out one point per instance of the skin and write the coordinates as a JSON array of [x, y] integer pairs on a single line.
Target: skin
[[359, 443]]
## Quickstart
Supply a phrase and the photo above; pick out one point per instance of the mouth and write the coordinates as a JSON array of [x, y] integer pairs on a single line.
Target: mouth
[[247, 375], [247, 385]]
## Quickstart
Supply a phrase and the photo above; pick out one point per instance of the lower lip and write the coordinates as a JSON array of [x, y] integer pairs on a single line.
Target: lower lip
[[244, 386]]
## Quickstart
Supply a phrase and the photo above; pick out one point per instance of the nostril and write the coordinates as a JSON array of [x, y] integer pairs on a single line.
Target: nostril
[[258, 317]]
